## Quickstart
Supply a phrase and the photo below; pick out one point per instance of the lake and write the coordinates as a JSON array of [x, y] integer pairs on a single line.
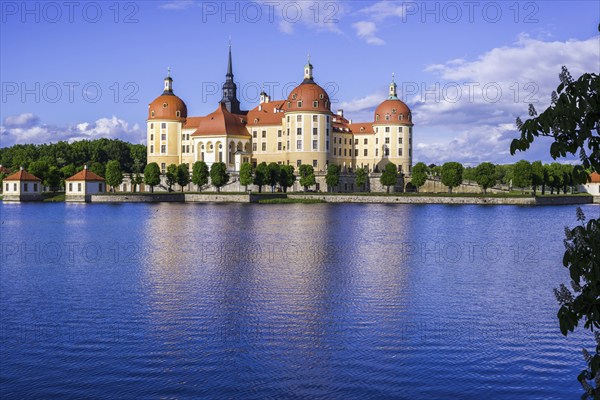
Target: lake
[[251, 301]]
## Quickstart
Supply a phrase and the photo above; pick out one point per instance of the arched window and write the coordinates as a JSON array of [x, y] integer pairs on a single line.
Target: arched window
[[164, 105], [377, 117], [178, 113]]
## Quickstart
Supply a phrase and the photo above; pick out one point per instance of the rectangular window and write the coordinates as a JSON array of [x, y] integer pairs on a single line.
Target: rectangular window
[[264, 134], [355, 152], [345, 141], [410, 140], [315, 163], [410, 152], [70, 186], [387, 129], [299, 145], [254, 147], [151, 149], [99, 187], [315, 117], [279, 133], [366, 141], [152, 136], [376, 152], [79, 187], [315, 104], [356, 142], [366, 152], [345, 152], [288, 119], [315, 131], [327, 119], [387, 140], [298, 131], [7, 187], [163, 136], [400, 152], [387, 151], [163, 149], [399, 129], [376, 140], [14, 187], [399, 140], [279, 146], [183, 148], [187, 148], [299, 104], [264, 147], [254, 134], [334, 151], [152, 125], [327, 145], [298, 163], [298, 118], [163, 167], [163, 125], [327, 131], [315, 146]]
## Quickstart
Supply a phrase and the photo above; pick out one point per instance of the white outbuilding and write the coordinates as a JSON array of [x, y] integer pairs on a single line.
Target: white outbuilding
[[81, 186], [22, 186]]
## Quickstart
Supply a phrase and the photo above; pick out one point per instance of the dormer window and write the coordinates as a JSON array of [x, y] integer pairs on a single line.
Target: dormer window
[[255, 120], [377, 117], [289, 104], [362, 128], [321, 96], [164, 105], [315, 104], [400, 117], [178, 113], [153, 113], [387, 117], [393, 111], [294, 96], [299, 104]]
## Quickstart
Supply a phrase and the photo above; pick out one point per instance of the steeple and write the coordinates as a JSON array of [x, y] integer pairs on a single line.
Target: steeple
[[168, 82], [230, 88], [393, 95], [308, 75]]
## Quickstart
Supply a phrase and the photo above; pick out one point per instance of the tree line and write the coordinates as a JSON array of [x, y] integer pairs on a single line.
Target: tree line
[[523, 174]]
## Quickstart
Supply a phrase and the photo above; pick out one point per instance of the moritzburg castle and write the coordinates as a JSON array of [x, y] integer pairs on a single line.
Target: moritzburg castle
[[298, 130]]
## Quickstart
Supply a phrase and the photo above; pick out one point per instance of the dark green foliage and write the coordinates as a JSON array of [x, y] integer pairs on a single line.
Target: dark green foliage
[[286, 177], [452, 175], [485, 175], [360, 177], [419, 175], [537, 175], [522, 174], [218, 175], [152, 175], [389, 176], [183, 175], [307, 176], [272, 175], [200, 174], [114, 176], [260, 175], [333, 175], [246, 174], [171, 176]]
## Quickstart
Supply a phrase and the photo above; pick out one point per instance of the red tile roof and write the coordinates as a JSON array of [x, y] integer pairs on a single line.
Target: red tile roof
[[361, 127], [266, 115], [85, 175], [595, 177], [22, 175], [192, 122], [221, 122]]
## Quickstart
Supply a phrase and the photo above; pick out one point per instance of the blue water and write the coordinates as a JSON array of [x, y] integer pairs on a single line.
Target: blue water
[[284, 301]]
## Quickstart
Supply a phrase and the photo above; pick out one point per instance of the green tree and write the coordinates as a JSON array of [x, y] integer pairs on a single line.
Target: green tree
[[537, 175], [360, 177], [200, 174], [98, 169], [333, 175], [485, 175], [567, 173], [452, 175], [419, 175], [307, 176], [389, 176], [246, 175], [183, 175], [171, 176], [272, 175], [522, 174], [218, 175], [573, 122], [260, 175], [470, 174], [555, 175], [66, 172], [152, 175], [114, 175], [286, 177], [39, 169], [53, 179], [136, 180]]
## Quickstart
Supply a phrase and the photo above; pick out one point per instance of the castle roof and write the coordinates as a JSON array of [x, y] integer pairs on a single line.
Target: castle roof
[[269, 113], [221, 122], [22, 175], [85, 175]]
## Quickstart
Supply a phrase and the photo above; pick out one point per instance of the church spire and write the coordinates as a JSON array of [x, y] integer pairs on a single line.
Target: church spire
[[308, 74], [393, 95], [168, 82], [230, 88]]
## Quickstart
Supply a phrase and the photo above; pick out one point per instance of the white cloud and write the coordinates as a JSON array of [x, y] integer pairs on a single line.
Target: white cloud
[[177, 5], [26, 128], [366, 30]]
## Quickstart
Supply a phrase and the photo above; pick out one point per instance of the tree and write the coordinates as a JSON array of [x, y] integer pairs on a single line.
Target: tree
[[67, 171], [389, 176], [555, 175], [152, 175], [573, 121], [485, 175], [419, 175], [218, 175], [286, 177], [522, 174], [272, 175], [333, 175], [136, 180], [114, 175], [360, 177], [260, 176], [307, 176], [246, 175], [537, 175], [40, 169], [452, 175], [183, 175], [53, 178], [567, 181], [98, 169], [200, 174], [171, 176]]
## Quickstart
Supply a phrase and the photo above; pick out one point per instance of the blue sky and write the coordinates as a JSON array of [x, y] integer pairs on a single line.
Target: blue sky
[[468, 69]]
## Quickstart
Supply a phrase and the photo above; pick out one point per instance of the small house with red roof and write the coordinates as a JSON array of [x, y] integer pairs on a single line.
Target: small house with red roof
[[22, 186], [592, 186], [81, 186]]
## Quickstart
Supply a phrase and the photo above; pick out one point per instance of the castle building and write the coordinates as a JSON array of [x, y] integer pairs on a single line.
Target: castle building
[[301, 129]]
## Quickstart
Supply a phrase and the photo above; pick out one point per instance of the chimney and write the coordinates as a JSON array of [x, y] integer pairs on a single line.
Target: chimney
[[84, 166], [22, 169], [340, 112]]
